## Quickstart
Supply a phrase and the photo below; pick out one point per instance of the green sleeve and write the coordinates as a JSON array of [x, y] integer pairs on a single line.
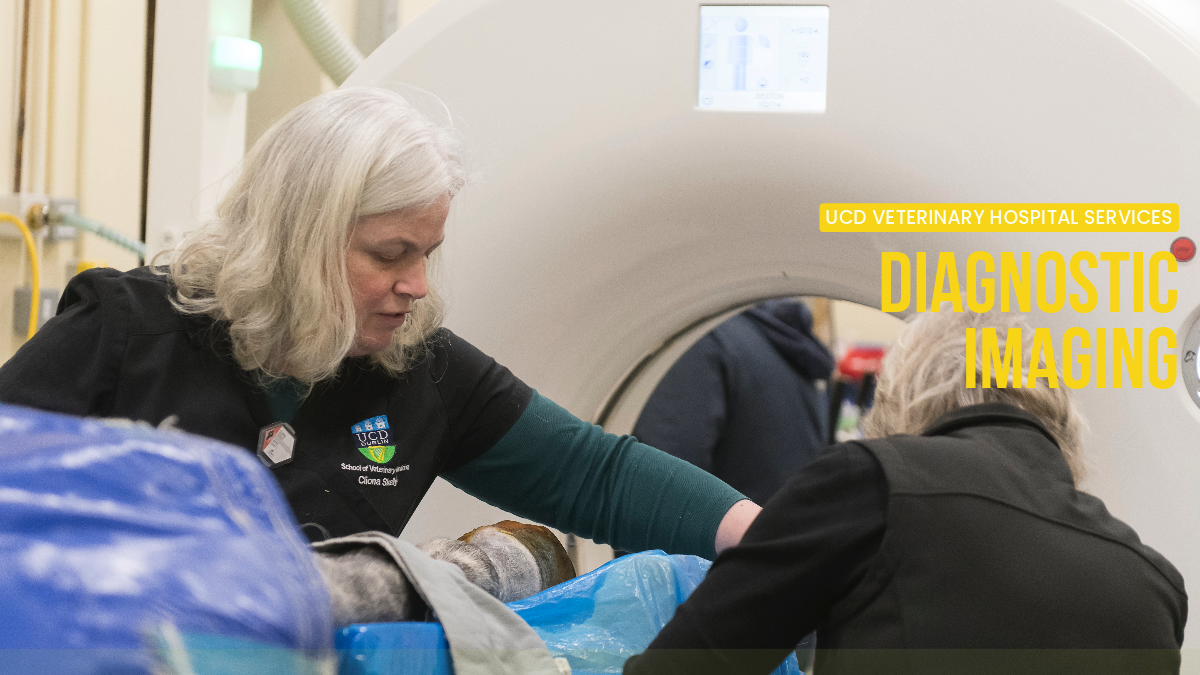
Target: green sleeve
[[553, 468]]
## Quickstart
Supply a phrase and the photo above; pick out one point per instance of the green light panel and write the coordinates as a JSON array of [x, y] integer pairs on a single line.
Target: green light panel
[[236, 53]]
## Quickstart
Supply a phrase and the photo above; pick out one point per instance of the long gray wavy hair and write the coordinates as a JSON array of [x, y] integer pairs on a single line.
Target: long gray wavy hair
[[273, 262]]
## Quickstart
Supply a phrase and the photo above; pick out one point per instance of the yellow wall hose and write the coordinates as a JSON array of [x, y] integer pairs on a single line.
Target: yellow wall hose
[[35, 295]]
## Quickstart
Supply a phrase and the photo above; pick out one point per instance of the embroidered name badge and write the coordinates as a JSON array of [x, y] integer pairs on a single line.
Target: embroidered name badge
[[374, 439]]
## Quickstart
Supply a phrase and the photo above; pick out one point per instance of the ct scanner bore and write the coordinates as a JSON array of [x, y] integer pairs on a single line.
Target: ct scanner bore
[[610, 211]]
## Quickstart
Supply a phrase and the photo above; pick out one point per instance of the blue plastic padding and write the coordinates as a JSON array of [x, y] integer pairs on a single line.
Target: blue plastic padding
[[408, 648], [107, 534], [596, 621]]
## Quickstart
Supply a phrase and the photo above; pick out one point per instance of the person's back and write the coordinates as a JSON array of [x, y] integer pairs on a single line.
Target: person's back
[[743, 402], [989, 546]]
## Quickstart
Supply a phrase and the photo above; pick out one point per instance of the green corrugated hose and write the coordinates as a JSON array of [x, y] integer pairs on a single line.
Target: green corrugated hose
[[102, 231]]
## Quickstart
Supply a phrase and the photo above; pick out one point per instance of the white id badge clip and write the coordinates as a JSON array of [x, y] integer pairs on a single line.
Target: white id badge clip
[[276, 443]]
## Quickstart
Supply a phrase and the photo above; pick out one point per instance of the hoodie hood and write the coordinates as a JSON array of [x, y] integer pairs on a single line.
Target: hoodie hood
[[788, 325]]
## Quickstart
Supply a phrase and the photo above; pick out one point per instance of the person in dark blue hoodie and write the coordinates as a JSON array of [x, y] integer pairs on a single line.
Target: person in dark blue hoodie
[[743, 403]]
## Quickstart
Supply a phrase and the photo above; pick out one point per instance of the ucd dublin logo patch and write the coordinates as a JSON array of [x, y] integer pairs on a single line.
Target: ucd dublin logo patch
[[374, 439]]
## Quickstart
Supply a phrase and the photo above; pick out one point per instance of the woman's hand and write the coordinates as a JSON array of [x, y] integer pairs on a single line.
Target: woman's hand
[[734, 524]]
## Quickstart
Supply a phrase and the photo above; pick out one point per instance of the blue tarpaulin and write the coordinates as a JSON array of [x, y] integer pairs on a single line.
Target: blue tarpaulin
[[112, 536]]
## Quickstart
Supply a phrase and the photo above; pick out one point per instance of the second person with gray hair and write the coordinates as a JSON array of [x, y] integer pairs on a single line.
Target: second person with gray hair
[[952, 540]]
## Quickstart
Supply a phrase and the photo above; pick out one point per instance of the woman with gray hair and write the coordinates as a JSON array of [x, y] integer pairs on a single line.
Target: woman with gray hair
[[301, 324], [952, 540]]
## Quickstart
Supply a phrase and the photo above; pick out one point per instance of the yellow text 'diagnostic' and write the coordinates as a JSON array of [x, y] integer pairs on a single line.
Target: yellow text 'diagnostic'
[[999, 217]]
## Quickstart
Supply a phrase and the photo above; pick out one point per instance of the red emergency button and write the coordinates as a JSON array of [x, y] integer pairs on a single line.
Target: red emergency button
[[1183, 249]]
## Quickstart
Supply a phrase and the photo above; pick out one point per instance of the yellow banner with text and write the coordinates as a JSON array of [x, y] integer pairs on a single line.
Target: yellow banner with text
[[960, 217]]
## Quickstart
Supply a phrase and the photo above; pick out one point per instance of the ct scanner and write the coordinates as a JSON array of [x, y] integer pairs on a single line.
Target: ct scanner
[[612, 211]]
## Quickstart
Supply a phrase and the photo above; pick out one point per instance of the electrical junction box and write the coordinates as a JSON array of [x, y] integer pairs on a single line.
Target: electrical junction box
[[46, 309], [19, 205], [56, 231]]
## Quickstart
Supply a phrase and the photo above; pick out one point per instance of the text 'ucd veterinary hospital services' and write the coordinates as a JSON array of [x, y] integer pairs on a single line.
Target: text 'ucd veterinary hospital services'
[[1023, 280]]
